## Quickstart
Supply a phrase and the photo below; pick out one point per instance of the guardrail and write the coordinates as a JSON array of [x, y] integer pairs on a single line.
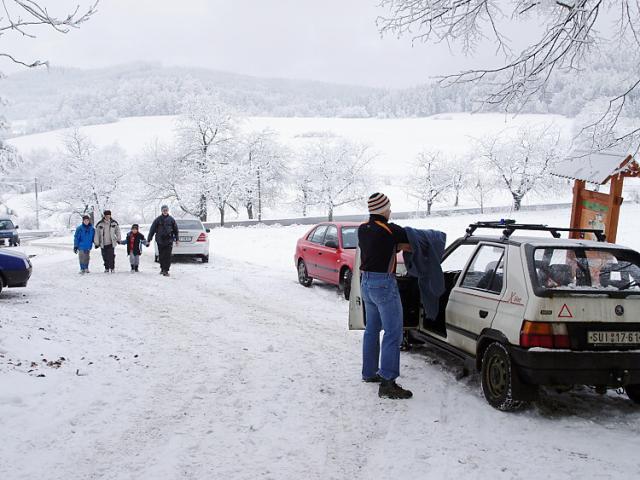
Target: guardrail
[[26, 236], [396, 216]]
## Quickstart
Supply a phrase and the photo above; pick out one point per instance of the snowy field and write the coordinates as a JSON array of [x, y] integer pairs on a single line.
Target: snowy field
[[396, 143], [232, 370]]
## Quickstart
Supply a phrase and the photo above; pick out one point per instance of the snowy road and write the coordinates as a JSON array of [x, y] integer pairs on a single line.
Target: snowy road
[[232, 370]]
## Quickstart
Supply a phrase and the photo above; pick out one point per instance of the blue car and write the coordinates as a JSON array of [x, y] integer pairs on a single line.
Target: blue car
[[15, 269], [9, 233]]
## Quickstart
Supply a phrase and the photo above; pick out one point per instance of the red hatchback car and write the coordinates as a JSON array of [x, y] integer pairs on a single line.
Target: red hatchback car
[[327, 252]]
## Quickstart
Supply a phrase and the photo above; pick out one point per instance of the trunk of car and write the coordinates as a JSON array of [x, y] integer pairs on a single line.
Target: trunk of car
[[597, 323], [189, 236]]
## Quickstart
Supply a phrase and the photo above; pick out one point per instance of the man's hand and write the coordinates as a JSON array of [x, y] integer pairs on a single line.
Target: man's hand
[[405, 247]]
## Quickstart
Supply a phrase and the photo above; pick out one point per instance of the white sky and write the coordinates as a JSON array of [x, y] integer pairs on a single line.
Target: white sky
[[329, 40]]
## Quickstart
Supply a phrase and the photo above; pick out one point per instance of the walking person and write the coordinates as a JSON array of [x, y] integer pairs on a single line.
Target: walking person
[[165, 229], [107, 236], [82, 243], [379, 243], [134, 241]]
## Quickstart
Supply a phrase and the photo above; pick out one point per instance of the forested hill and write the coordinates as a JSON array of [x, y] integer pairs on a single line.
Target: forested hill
[[59, 97]]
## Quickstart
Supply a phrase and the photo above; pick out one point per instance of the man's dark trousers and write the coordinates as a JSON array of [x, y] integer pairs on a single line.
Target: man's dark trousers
[[109, 257], [164, 255]]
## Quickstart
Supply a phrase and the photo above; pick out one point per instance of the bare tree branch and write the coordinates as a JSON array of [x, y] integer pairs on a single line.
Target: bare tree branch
[[25, 16]]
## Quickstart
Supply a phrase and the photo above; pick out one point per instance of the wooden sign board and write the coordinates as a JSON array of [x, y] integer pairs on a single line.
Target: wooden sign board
[[596, 210]]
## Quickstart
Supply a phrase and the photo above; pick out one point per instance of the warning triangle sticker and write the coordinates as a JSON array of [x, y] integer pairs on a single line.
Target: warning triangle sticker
[[565, 312]]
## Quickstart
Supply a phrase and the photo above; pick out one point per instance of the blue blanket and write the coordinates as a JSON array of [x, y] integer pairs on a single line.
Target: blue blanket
[[424, 263]]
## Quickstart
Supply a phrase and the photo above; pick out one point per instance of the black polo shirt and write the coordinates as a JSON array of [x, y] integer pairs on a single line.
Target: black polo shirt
[[378, 241]]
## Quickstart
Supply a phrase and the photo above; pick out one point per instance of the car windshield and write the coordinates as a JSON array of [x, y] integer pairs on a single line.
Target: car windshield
[[349, 237], [6, 225], [587, 269], [189, 225]]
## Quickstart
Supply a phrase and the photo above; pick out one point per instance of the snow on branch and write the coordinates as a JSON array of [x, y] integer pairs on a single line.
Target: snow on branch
[[24, 16], [571, 33]]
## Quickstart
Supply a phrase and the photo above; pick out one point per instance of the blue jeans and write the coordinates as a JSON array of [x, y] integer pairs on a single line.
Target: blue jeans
[[383, 309]]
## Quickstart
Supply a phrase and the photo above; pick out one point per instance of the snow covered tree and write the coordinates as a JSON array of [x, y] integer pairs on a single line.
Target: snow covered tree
[[483, 182], [166, 176], [262, 169], [333, 172], [9, 159], [568, 37], [431, 178], [87, 178], [458, 167], [203, 132], [303, 184], [522, 159]]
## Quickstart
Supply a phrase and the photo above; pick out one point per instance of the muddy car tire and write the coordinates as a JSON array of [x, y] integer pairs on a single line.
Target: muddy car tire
[[303, 277], [633, 392], [497, 380], [345, 282]]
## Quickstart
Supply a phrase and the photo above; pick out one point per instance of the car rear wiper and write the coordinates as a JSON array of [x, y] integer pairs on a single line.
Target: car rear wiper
[[632, 283]]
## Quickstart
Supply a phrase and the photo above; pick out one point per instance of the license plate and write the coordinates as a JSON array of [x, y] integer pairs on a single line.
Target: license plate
[[613, 338], [185, 239]]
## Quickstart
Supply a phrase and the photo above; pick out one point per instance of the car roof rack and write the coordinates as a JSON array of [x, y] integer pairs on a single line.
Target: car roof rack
[[508, 226]]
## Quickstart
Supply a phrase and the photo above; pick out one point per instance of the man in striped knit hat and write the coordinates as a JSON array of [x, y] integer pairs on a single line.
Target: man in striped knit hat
[[379, 243]]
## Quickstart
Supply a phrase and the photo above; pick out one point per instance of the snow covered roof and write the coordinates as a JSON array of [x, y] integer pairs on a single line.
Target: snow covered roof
[[595, 167]]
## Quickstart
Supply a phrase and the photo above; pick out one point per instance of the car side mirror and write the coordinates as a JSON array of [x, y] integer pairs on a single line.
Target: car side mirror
[[17, 227], [331, 244], [208, 230]]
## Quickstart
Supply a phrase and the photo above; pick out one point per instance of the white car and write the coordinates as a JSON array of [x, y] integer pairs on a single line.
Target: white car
[[193, 240], [532, 311]]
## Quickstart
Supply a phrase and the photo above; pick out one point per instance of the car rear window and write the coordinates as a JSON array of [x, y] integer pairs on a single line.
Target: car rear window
[[6, 225], [587, 269], [349, 237], [318, 234], [189, 225]]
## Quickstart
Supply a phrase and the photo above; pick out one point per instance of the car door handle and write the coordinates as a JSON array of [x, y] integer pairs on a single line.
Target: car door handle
[[483, 313], [319, 253]]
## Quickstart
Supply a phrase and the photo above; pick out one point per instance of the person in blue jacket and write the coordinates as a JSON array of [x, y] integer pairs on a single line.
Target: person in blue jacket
[[83, 242]]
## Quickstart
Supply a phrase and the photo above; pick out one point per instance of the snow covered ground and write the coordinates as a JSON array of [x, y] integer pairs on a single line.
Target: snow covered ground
[[232, 370]]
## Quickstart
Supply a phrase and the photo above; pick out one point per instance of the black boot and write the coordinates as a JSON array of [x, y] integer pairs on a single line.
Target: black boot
[[137, 268], [390, 389]]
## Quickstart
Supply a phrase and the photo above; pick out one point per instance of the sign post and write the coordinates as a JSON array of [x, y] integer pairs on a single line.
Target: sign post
[[593, 209]]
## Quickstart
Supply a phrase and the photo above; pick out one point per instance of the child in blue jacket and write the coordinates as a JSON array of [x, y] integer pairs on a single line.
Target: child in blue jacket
[[83, 243]]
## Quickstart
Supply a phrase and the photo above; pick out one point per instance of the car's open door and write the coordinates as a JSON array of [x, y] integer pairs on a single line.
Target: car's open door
[[356, 305]]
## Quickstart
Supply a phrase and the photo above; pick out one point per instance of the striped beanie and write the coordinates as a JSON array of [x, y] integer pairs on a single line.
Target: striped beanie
[[378, 203]]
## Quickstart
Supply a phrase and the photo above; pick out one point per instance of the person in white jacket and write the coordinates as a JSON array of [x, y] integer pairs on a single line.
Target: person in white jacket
[[107, 236]]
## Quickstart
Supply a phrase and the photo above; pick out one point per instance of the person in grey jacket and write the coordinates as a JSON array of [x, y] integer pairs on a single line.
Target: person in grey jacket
[[165, 229], [107, 236]]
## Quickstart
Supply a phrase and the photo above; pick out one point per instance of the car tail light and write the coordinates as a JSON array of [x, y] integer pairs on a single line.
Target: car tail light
[[544, 334], [202, 237]]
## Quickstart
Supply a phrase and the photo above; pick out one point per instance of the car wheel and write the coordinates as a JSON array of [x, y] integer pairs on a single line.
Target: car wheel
[[205, 259], [345, 282], [496, 378], [633, 392], [304, 279]]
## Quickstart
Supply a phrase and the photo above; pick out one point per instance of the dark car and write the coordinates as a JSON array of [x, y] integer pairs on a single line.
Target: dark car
[[15, 269], [8, 233]]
